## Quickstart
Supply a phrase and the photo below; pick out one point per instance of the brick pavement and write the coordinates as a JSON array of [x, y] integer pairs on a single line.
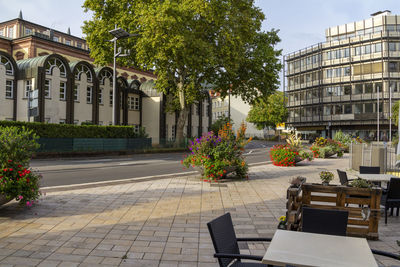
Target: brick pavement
[[161, 222]]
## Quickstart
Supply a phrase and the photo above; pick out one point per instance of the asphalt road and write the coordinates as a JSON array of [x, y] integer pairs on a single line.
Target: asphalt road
[[75, 171]]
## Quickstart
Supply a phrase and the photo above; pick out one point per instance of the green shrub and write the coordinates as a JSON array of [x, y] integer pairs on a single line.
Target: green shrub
[[323, 148], [16, 179], [51, 130]]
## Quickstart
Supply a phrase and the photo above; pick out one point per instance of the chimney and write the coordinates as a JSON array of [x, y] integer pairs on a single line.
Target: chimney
[[69, 31], [20, 15]]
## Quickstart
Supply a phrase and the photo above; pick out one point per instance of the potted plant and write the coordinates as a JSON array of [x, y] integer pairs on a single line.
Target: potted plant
[[325, 148], [217, 155], [326, 177], [17, 181], [360, 183], [290, 153]]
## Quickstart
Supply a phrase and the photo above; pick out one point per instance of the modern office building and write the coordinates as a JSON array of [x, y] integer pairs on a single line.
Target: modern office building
[[349, 82], [71, 89]]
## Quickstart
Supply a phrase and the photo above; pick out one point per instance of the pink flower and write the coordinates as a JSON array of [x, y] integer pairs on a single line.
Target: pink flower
[[20, 197], [29, 204]]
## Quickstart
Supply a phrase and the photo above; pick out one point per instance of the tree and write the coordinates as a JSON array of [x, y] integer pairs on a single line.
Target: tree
[[269, 112], [395, 113], [189, 43]]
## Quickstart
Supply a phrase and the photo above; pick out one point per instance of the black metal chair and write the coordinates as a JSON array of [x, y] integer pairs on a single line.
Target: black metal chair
[[370, 170], [320, 221], [226, 243], [386, 254], [392, 199], [343, 177]]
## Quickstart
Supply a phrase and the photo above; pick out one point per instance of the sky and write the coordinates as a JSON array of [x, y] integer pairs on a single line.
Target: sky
[[301, 23]]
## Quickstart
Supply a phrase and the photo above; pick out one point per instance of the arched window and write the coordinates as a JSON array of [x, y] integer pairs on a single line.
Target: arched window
[[55, 62], [7, 63], [106, 74], [83, 69]]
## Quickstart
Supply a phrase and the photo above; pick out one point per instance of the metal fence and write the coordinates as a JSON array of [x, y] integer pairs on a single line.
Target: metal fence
[[374, 154], [92, 144]]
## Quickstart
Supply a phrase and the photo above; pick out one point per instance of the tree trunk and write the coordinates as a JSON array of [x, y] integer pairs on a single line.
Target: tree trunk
[[183, 114]]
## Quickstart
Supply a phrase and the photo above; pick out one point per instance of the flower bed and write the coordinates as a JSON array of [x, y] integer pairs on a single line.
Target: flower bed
[[217, 155], [325, 148], [290, 153]]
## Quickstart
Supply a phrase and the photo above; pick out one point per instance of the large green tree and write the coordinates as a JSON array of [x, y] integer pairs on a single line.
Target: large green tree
[[189, 43], [268, 112], [395, 113]]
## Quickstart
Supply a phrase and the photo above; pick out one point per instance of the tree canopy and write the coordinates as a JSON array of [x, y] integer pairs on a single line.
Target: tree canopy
[[189, 43], [269, 112]]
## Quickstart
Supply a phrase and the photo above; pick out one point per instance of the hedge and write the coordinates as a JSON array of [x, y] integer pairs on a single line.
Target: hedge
[[50, 130]]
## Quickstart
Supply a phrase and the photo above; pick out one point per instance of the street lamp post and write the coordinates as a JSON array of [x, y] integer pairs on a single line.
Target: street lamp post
[[118, 33]]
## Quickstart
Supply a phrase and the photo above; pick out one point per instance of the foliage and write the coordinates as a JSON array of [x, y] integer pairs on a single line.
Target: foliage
[[17, 145], [358, 140], [269, 112], [361, 183], [326, 176], [395, 113], [215, 154], [344, 139], [219, 124], [323, 148], [282, 223], [51, 130], [294, 141], [16, 180], [189, 43]]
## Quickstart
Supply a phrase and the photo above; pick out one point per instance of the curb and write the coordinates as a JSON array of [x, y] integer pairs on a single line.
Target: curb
[[58, 188]]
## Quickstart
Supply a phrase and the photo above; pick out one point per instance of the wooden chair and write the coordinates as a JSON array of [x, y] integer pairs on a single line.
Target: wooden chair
[[320, 221], [226, 243]]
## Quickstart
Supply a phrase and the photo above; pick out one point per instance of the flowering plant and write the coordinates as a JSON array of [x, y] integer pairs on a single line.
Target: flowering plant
[[326, 176], [217, 154], [290, 153], [324, 148], [17, 181]]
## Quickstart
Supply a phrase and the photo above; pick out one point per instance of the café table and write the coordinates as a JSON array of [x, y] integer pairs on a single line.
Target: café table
[[375, 177], [291, 248]]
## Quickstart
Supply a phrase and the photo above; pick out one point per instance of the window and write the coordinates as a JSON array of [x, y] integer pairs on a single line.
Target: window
[[133, 103], [79, 45], [67, 42], [76, 93], [101, 96], [47, 88], [7, 63], [55, 62], [338, 72], [11, 32], [378, 29], [392, 46], [1, 32], [346, 71], [329, 73], [337, 54], [89, 91], [111, 98], [76, 122], [329, 55], [62, 90], [328, 91], [393, 86], [347, 89], [368, 88], [327, 110], [378, 47], [357, 50], [9, 88], [393, 66], [391, 28], [378, 87], [55, 38], [28, 88], [346, 52], [62, 121], [28, 31], [348, 109], [367, 49], [358, 89], [369, 108], [338, 109], [358, 108]]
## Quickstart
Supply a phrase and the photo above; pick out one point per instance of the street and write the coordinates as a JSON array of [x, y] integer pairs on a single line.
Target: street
[[59, 172]]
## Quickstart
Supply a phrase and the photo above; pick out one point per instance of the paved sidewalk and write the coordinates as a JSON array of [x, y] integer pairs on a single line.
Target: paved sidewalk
[[161, 222]]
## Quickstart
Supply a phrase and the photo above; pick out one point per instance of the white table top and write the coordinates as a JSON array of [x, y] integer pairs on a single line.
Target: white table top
[[375, 177], [307, 249]]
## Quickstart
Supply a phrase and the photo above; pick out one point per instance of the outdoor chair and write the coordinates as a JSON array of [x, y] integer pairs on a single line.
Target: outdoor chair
[[226, 243], [370, 170], [320, 221], [343, 178], [391, 200]]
